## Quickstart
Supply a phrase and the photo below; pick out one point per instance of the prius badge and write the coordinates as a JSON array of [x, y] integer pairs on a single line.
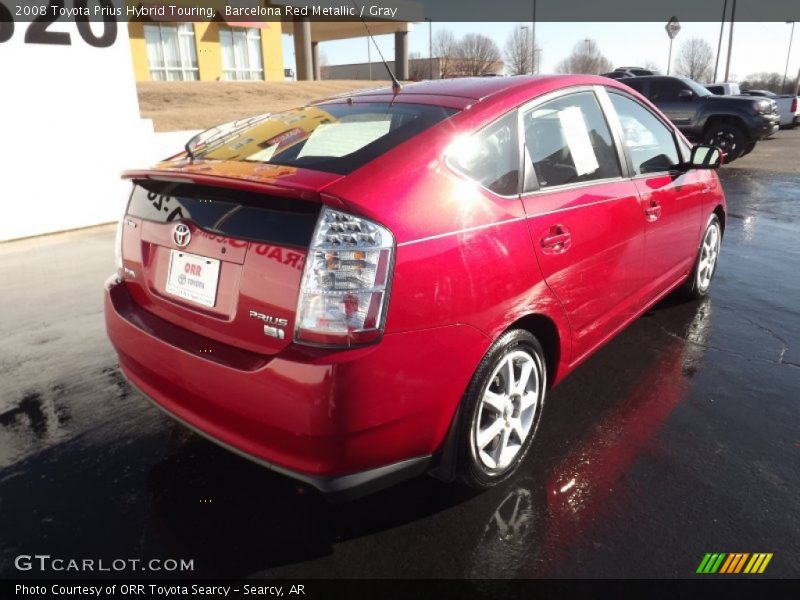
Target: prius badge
[[273, 326]]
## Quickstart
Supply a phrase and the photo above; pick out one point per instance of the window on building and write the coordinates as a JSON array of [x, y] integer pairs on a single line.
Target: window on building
[[171, 52], [241, 54]]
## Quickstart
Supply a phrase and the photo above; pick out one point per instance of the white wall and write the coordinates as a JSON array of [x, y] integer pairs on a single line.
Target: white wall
[[70, 124]]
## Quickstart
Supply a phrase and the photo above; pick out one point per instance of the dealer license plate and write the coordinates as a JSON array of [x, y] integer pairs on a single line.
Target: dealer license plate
[[193, 277]]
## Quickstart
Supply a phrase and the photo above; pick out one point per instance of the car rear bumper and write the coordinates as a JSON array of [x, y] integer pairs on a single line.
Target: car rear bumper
[[347, 423]]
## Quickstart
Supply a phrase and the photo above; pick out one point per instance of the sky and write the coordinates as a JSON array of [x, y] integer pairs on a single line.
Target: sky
[[756, 46]]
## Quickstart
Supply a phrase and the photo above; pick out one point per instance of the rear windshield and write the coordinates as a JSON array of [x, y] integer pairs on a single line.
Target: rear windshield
[[634, 83], [337, 138]]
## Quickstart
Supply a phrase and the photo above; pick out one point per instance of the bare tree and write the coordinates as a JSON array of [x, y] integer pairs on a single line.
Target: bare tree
[[650, 65], [446, 48], [417, 67], [695, 60], [478, 55], [518, 51], [585, 58], [763, 81]]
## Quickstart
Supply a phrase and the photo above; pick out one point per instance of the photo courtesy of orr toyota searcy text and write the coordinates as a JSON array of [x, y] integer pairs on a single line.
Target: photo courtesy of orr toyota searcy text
[[398, 298], [159, 591]]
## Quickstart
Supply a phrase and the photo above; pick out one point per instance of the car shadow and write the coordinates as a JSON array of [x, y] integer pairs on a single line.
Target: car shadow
[[238, 519], [135, 484]]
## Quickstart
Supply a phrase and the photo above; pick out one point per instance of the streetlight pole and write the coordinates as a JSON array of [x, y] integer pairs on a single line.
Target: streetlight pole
[[430, 46], [369, 59], [533, 40], [730, 43], [525, 28], [719, 44], [788, 54]]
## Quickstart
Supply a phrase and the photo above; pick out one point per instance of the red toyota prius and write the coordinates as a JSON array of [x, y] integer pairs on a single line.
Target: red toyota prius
[[383, 284]]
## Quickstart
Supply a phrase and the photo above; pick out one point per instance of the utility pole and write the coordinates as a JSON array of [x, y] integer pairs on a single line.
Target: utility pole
[[719, 44], [788, 54], [369, 59], [430, 46], [525, 29], [730, 43], [533, 40]]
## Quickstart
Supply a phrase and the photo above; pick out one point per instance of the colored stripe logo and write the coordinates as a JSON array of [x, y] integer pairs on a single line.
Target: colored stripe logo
[[733, 563]]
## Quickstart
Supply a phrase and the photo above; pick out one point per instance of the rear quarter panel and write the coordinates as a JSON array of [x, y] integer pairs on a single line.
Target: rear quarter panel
[[464, 255]]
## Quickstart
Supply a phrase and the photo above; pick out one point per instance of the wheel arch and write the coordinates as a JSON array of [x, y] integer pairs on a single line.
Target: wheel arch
[[547, 332], [544, 329], [720, 212], [726, 119]]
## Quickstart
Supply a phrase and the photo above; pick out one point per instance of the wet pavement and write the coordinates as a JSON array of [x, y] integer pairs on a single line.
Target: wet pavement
[[680, 437]]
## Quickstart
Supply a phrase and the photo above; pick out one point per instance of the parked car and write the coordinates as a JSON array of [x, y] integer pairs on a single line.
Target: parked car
[[394, 290], [787, 104], [724, 89], [621, 72], [732, 123]]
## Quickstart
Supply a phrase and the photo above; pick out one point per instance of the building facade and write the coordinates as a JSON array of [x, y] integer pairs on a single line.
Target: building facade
[[418, 69], [206, 51]]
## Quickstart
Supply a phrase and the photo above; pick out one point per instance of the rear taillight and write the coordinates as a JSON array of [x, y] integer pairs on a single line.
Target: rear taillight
[[345, 285], [794, 105], [118, 246]]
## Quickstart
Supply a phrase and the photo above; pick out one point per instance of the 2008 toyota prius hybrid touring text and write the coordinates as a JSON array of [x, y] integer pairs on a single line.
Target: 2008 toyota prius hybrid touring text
[[383, 284]]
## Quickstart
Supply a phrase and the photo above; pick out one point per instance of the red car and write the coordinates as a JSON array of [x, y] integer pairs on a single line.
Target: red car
[[381, 284]]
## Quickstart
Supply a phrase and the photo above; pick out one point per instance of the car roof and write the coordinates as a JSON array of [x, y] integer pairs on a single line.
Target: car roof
[[478, 88]]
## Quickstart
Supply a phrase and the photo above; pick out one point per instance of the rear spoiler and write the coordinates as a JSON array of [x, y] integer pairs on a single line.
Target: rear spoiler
[[306, 187]]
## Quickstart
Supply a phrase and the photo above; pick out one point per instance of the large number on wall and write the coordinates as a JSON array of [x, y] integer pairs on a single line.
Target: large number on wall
[[6, 24], [38, 31]]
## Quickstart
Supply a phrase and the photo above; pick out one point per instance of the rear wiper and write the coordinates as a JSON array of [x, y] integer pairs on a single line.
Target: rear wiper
[[215, 136]]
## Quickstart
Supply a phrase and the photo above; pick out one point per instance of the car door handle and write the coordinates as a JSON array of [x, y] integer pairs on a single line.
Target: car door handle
[[556, 240], [652, 211]]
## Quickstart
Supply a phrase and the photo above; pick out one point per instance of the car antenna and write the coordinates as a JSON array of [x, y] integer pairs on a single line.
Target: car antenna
[[396, 87]]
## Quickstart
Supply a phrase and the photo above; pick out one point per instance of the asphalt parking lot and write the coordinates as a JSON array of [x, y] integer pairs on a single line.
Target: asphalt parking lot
[[681, 437]]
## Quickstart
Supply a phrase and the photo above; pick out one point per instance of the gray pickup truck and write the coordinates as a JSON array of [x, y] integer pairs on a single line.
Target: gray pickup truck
[[732, 123]]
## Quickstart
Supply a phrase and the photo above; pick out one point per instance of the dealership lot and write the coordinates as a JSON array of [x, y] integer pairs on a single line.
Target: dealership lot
[[681, 437]]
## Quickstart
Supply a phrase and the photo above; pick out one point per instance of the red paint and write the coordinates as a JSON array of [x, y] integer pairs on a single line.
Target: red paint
[[468, 265]]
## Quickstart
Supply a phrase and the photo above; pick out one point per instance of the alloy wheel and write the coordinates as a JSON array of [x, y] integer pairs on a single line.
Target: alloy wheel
[[507, 410], [725, 141], [708, 257]]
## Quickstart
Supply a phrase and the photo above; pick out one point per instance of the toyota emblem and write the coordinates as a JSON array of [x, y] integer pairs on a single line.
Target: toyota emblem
[[182, 235]]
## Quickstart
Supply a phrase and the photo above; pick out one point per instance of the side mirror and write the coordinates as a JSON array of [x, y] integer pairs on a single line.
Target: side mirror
[[686, 94], [705, 157]]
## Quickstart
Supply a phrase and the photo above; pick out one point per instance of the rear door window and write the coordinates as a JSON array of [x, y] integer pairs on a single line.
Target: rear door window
[[666, 89], [636, 84], [569, 141]]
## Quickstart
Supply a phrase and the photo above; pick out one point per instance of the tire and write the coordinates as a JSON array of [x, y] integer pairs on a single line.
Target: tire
[[748, 148], [729, 138], [699, 281], [512, 412]]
